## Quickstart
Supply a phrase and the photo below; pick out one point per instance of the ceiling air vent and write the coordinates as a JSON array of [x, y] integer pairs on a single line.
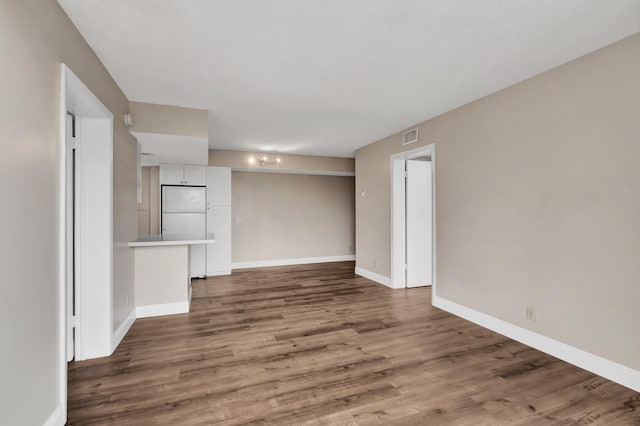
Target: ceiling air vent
[[410, 136]]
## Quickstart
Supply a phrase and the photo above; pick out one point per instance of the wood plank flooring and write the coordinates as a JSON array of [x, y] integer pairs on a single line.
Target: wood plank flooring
[[319, 345]]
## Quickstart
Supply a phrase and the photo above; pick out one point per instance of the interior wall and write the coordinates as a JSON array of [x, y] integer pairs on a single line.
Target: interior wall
[[144, 214], [291, 216], [290, 162], [537, 203], [36, 37], [169, 120]]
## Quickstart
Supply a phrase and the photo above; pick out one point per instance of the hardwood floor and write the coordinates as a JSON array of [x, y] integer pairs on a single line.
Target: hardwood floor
[[319, 345]]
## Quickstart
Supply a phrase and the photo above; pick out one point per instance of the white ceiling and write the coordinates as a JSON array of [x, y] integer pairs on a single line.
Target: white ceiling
[[325, 77]]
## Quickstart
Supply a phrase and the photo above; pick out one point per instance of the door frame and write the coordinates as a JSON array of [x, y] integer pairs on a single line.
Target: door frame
[[398, 213], [94, 218]]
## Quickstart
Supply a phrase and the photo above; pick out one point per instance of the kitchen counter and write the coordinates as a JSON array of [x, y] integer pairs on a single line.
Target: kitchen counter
[[172, 240], [163, 273]]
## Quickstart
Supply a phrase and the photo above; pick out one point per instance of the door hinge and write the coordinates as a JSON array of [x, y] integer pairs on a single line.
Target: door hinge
[[406, 267], [74, 321], [406, 174], [76, 142]]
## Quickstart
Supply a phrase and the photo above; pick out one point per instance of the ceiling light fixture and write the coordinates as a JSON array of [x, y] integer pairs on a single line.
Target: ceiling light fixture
[[263, 161]]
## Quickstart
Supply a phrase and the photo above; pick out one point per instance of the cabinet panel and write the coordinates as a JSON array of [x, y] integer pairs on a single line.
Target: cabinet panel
[[219, 253], [171, 174], [195, 175], [219, 186]]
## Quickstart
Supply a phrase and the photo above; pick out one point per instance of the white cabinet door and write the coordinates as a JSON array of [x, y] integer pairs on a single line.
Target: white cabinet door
[[219, 186], [171, 174], [195, 175], [219, 253]]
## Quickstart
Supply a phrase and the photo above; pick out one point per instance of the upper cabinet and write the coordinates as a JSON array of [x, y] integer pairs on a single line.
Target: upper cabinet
[[180, 174], [219, 186]]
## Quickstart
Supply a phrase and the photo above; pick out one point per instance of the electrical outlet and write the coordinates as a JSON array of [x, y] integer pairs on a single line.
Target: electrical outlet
[[531, 312]]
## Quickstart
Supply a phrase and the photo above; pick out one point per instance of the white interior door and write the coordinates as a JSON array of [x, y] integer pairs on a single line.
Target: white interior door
[[219, 186], [419, 232], [69, 237]]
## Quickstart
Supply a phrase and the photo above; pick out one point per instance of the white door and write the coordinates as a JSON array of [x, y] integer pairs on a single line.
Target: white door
[[419, 224], [219, 186], [195, 175], [171, 174], [219, 253], [70, 234], [183, 199]]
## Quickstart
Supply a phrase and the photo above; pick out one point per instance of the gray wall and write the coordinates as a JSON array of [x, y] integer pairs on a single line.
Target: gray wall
[[289, 216], [36, 37], [537, 203]]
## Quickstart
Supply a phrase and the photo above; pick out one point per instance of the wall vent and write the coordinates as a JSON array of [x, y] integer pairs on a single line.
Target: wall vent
[[410, 136]]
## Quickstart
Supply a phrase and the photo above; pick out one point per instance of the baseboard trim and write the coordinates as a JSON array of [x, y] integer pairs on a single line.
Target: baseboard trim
[[148, 311], [380, 279], [56, 418], [286, 262], [219, 273], [123, 329], [603, 367]]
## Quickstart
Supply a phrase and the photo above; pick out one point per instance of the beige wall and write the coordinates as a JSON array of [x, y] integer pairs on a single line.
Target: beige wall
[[36, 37], [149, 208], [169, 120], [290, 216], [537, 203], [239, 160]]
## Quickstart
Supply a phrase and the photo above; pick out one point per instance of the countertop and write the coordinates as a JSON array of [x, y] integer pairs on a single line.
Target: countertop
[[172, 240]]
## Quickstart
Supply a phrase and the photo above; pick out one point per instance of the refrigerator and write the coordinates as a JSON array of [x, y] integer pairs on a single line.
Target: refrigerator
[[184, 213]]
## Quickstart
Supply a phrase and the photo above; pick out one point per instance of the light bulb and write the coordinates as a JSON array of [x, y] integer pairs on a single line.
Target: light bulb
[[251, 160], [278, 160]]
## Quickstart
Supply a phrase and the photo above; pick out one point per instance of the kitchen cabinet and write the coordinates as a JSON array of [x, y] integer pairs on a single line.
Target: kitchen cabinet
[[219, 254], [183, 174], [219, 186], [219, 220]]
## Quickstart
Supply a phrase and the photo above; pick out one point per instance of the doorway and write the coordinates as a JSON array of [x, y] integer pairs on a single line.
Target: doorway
[[86, 226], [413, 218]]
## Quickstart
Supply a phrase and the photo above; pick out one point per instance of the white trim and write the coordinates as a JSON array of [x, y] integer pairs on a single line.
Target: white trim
[[397, 249], [56, 418], [603, 367], [122, 330], [219, 273], [78, 99], [380, 279], [298, 261], [292, 172], [162, 309]]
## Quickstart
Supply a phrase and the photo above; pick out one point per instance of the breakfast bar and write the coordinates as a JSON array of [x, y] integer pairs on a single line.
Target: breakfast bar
[[162, 272]]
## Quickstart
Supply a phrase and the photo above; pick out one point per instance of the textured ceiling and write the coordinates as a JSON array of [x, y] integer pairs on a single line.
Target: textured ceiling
[[325, 77]]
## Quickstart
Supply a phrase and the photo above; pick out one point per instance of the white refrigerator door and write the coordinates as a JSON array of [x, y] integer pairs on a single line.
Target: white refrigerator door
[[186, 224], [184, 199], [189, 225]]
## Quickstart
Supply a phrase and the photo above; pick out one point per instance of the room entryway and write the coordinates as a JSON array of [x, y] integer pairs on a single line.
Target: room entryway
[[412, 245]]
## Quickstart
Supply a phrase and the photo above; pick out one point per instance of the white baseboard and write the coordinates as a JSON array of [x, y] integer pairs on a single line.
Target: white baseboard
[[603, 367], [122, 330], [56, 418], [219, 273], [298, 261], [380, 279], [162, 309]]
